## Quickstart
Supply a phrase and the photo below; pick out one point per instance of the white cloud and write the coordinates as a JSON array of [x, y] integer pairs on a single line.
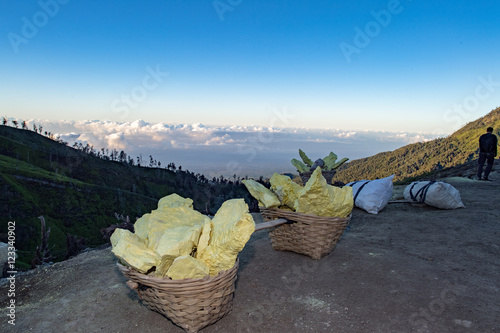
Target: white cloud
[[215, 150], [220, 140], [116, 140]]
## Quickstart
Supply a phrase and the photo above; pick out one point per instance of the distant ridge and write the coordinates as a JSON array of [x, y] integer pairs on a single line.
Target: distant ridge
[[79, 192], [420, 159]]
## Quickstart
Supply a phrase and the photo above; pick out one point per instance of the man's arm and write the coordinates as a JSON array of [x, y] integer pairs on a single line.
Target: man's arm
[[496, 144]]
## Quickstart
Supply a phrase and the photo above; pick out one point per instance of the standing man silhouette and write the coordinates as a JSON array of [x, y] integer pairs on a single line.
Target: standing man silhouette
[[487, 152]]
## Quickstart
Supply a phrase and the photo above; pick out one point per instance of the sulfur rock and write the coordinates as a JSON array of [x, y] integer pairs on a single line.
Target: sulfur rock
[[206, 233], [141, 226], [175, 200], [286, 189], [178, 241], [132, 250], [187, 267], [232, 227], [319, 198], [164, 218], [265, 197], [164, 265], [183, 243], [151, 232], [343, 202]]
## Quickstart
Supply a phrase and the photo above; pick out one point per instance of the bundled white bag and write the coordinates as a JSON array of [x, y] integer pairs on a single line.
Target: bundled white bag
[[437, 194], [372, 195]]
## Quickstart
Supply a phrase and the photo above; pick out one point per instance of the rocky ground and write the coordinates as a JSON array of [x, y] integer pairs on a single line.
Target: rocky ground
[[410, 268]]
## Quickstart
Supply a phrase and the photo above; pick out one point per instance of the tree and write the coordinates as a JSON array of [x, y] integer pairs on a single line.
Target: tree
[[122, 157]]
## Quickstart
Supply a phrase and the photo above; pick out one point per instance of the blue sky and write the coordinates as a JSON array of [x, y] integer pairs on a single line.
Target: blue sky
[[232, 61], [398, 66]]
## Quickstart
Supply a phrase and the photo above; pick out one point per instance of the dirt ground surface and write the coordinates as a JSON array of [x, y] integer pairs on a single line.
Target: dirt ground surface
[[407, 269]]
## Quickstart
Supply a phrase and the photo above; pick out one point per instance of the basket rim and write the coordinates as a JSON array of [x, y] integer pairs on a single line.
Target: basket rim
[[153, 281], [299, 217]]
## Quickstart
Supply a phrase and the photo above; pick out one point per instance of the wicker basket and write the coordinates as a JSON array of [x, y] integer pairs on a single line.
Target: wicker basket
[[307, 234], [327, 174], [190, 303]]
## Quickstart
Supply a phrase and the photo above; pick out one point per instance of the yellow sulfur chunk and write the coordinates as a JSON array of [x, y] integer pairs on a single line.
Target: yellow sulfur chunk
[[118, 234], [165, 218], [153, 233], [265, 197], [343, 202], [175, 200], [319, 198], [164, 265], [132, 250], [232, 227], [286, 189], [141, 226], [298, 180], [187, 267], [204, 240], [168, 236], [176, 216], [178, 241]]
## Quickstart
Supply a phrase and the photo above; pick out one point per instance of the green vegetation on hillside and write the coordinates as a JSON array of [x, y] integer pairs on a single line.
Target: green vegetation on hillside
[[80, 193], [419, 159]]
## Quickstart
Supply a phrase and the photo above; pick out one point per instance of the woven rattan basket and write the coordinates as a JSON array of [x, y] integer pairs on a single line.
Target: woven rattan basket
[[307, 234], [190, 303], [327, 174]]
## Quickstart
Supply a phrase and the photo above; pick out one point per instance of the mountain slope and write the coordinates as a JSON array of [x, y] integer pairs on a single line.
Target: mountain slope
[[80, 193], [419, 159]]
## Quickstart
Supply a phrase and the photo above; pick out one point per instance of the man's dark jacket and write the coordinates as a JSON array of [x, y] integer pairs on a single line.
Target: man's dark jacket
[[488, 143]]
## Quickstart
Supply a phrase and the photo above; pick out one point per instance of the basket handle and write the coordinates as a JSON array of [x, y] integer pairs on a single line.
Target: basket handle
[[132, 285], [270, 224]]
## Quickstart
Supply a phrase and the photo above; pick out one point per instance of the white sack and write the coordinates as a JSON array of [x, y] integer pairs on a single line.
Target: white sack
[[437, 194], [372, 195]]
